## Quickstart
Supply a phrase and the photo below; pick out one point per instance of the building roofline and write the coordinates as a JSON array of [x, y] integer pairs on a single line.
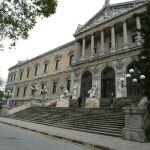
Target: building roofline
[[44, 54], [111, 5]]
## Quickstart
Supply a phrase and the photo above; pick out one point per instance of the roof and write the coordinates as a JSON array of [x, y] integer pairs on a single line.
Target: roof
[[107, 13], [42, 55]]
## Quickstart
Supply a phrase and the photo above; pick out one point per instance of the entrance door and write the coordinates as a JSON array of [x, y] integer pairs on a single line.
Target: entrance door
[[108, 82], [86, 83]]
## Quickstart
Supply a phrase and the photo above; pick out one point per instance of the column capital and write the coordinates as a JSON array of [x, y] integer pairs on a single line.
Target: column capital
[[124, 20], [112, 25]]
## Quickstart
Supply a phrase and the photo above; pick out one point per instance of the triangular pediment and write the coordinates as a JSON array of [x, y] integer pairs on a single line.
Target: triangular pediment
[[108, 13]]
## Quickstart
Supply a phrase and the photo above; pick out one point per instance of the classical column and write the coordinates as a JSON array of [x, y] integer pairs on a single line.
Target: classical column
[[83, 48], [138, 26], [125, 35], [113, 45], [92, 44], [77, 49], [102, 41], [138, 22]]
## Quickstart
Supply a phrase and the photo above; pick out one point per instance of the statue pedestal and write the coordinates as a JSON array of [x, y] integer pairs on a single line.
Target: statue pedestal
[[62, 103], [92, 103], [133, 130], [5, 109]]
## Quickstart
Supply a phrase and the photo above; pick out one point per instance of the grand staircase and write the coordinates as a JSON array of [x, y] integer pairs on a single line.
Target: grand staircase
[[106, 121]]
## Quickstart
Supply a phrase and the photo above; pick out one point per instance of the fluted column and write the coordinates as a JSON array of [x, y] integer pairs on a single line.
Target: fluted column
[[138, 26], [102, 42], [76, 53], [83, 48], [125, 35], [138, 22], [92, 44], [113, 42]]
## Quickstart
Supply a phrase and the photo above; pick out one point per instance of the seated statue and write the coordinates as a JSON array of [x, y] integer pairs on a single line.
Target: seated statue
[[93, 91], [64, 94], [143, 104]]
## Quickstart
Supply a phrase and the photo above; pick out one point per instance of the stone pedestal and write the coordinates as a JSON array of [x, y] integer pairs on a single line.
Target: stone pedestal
[[5, 109], [133, 130], [62, 103], [92, 103]]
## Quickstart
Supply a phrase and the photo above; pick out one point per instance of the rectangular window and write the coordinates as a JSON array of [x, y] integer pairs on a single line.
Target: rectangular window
[[42, 86], [24, 92], [18, 92], [11, 78], [21, 73], [68, 85], [45, 68], [71, 59], [28, 71], [54, 87], [36, 70], [14, 77], [8, 79], [57, 64], [95, 51], [133, 38]]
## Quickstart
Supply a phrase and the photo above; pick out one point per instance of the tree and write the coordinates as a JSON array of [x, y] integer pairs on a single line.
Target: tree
[[144, 56], [18, 17], [1, 82]]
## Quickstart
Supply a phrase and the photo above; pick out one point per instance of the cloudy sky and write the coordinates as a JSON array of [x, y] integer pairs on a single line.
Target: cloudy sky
[[52, 32]]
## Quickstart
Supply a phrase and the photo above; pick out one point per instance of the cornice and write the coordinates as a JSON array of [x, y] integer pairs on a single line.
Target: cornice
[[44, 54], [107, 57], [113, 20]]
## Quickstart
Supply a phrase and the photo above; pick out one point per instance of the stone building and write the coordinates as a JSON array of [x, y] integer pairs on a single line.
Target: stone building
[[104, 50]]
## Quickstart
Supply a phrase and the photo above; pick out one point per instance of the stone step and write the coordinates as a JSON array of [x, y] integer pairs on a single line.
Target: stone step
[[79, 121], [97, 131], [107, 121], [108, 128], [111, 129]]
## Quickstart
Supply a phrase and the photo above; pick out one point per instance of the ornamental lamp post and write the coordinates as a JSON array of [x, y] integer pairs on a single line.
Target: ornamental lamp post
[[132, 77]]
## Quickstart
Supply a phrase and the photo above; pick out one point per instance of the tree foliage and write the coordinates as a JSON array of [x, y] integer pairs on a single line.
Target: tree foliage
[[17, 17], [144, 56], [1, 95]]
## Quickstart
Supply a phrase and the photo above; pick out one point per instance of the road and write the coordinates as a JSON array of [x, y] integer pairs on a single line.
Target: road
[[12, 138]]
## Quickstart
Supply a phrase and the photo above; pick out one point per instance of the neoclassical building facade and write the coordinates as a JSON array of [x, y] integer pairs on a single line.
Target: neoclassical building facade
[[104, 50]]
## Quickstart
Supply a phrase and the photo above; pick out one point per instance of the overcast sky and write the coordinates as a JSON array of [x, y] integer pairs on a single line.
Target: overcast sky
[[52, 32]]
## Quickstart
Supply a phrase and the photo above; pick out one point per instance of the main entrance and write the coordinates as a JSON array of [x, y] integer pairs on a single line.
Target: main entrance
[[86, 83], [107, 82]]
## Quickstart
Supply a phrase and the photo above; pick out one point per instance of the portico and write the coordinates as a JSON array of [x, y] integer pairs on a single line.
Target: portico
[[103, 46]]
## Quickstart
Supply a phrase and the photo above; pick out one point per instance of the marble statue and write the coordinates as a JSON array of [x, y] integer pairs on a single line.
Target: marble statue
[[138, 39], [107, 2], [93, 91], [143, 104], [64, 94]]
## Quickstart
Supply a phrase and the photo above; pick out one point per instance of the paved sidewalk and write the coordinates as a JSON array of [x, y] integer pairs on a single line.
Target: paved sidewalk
[[112, 143]]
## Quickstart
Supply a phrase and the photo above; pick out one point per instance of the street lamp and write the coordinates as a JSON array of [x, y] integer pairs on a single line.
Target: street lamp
[[132, 77], [8, 95]]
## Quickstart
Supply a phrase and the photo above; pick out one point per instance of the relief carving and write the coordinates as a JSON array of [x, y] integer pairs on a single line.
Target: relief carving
[[119, 64]]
